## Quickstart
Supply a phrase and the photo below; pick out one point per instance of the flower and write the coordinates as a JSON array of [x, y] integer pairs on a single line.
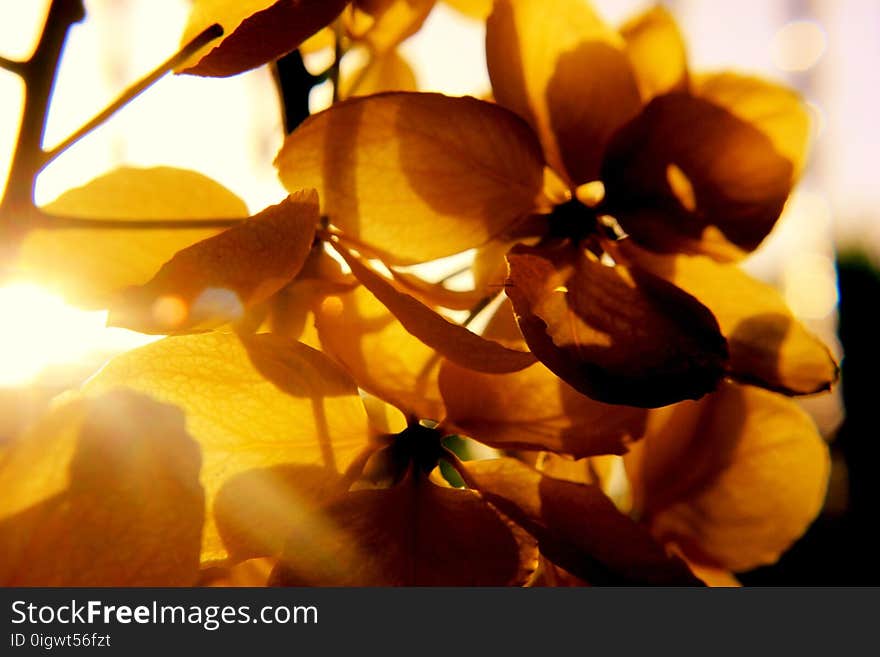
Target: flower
[[693, 170]]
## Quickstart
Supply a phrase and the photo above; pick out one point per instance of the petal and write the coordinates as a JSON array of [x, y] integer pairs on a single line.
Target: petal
[[479, 9], [733, 480], [88, 265], [394, 22], [385, 72], [255, 31], [777, 111], [619, 335], [214, 281], [102, 492], [256, 510], [533, 409], [359, 332], [453, 341], [416, 177], [252, 402], [686, 173], [413, 534], [657, 52], [251, 573], [768, 346], [562, 69], [577, 526]]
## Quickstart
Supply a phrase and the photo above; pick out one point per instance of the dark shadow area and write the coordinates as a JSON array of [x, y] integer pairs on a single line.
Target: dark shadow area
[[841, 549]]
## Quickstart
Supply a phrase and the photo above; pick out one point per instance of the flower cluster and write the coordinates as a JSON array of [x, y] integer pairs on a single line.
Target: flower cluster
[[630, 382]]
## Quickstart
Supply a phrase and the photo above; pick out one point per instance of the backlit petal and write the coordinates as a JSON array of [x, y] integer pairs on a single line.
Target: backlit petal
[[561, 68], [415, 176], [617, 334]]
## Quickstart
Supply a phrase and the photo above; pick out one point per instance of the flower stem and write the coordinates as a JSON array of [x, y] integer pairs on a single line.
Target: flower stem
[[196, 44]]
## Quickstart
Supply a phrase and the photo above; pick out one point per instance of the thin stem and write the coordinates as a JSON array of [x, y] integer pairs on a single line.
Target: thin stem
[[479, 307], [294, 83], [460, 468], [338, 52], [196, 44], [12, 66]]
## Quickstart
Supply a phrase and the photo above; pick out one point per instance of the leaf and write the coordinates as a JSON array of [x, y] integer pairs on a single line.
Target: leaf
[[733, 479], [617, 334], [214, 281], [102, 492], [413, 534], [577, 526], [89, 265], [533, 409], [556, 64], [656, 49], [453, 341], [250, 402], [768, 346], [255, 31], [687, 173], [386, 360], [416, 176]]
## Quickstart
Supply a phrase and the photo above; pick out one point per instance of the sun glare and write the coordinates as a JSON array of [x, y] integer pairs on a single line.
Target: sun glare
[[39, 330]]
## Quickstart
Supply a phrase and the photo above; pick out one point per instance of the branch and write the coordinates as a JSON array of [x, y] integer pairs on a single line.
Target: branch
[[294, 83], [196, 44], [38, 75]]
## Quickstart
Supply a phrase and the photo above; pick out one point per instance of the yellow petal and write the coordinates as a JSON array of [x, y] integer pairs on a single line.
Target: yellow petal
[[686, 166], [479, 9], [777, 111], [533, 409], [254, 31], [250, 573], [256, 510], [768, 346], [577, 526], [657, 52], [617, 334], [733, 479], [413, 534], [386, 360], [102, 492], [561, 68], [394, 22], [252, 402], [88, 265], [453, 341], [214, 281], [416, 176], [383, 72]]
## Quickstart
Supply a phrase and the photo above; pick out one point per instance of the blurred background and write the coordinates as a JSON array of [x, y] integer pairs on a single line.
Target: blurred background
[[823, 255]]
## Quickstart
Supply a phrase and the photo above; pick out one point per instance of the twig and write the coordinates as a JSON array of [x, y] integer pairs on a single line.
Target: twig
[[12, 66], [196, 44], [338, 52], [38, 75]]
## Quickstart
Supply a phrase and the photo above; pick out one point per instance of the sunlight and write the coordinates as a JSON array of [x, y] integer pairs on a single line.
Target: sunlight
[[39, 330]]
